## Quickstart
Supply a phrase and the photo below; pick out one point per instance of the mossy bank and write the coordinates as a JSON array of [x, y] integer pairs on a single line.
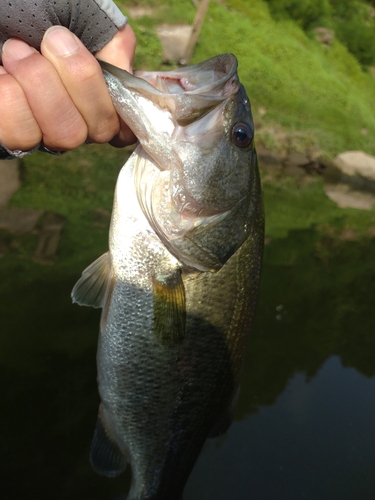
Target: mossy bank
[[320, 95]]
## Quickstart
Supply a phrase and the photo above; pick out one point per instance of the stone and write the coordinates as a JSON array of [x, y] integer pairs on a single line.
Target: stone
[[174, 40], [136, 12], [268, 156], [324, 35], [294, 171], [262, 111], [49, 235], [9, 180], [354, 163], [297, 159], [357, 168], [346, 197], [19, 220]]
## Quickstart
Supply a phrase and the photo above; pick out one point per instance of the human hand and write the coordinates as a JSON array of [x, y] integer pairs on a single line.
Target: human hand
[[59, 96]]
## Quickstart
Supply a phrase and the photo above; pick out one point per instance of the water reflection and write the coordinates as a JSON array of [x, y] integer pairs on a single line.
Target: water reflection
[[315, 442], [304, 423], [306, 412], [49, 395]]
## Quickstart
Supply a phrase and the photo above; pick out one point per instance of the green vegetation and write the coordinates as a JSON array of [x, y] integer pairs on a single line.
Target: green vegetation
[[314, 96], [316, 301], [291, 206], [353, 21], [320, 96], [78, 186], [318, 261]]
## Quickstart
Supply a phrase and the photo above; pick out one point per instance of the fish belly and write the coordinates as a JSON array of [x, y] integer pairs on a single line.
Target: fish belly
[[162, 399]]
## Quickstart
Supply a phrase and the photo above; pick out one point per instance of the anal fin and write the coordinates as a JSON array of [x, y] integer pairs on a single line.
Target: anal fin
[[105, 456]]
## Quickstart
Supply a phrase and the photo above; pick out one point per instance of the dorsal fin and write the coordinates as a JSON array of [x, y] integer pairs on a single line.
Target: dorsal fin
[[91, 288]]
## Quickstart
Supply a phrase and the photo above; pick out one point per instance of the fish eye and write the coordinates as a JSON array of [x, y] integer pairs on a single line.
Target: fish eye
[[242, 135]]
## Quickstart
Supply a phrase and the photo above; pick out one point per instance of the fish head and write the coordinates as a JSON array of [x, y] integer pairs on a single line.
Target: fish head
[[197, 167], [216, 153]]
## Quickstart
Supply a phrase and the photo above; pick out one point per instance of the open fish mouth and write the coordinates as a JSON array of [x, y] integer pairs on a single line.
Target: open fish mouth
[[190, 175], [208, 77], [189, 93]]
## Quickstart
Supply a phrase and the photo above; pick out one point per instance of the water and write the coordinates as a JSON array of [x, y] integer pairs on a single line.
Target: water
[[304, 426], [315, 442]]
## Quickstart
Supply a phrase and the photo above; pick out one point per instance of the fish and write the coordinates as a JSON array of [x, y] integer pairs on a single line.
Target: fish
[[179, 284]]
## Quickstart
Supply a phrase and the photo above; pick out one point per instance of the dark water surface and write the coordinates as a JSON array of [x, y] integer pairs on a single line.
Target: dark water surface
[[317, 441], [305, 423]]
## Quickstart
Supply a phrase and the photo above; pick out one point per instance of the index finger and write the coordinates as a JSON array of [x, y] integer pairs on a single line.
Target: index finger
[[82, 77]]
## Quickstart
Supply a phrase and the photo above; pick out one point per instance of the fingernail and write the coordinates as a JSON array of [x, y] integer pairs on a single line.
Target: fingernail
[[17, 49], [61, 41]]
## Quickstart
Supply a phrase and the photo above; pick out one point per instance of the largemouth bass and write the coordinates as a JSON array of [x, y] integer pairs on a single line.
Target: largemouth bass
[[178, 286]]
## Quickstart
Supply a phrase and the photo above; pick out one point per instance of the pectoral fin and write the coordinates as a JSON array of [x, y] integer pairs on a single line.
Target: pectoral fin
[[91, 288], [169, 307], [105, 456]]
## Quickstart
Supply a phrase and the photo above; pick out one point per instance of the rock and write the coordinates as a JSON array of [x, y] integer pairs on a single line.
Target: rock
[[297, 160], [298, 164], [294, 171], [269, 156], [356, 163], [356, 167], [49, 235], [262, 111], [324, 35], [136, 12], [9, 180], [345, 197], [174, 40], [19, 220]]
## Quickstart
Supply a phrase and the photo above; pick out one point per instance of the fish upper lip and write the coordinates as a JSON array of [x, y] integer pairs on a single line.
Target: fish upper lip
[[141, 79]]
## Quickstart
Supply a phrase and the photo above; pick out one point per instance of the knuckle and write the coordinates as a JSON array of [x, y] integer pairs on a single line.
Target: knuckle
[[27, 136], [105, 130], [34, 72], [70, 133], [11, 91], [24, 138], [18, 127], [83, 69]]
